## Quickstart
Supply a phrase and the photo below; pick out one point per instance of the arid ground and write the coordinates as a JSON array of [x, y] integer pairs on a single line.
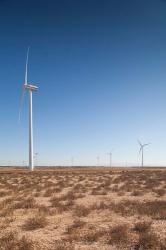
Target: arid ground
[[83, 208]]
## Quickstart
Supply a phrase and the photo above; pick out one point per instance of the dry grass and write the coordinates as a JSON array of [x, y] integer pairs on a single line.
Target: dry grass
[[77, 225], [61, 245], [10, 241], [142, 226], [34, 223], [82, 209], [25, 204], [148, 240], [119, 235]]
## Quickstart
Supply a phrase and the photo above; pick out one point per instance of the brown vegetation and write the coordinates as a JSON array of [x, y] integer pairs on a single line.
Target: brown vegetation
[[83, 208], [34, 223]]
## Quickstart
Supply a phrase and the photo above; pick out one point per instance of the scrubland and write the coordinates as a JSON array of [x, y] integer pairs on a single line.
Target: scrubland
[[83, 208]]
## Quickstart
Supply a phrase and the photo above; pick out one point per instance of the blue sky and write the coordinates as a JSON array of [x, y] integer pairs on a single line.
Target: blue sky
[[101, 71]]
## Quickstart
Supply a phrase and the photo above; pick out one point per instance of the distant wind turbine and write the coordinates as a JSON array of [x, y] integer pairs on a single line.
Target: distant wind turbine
[[30, 88], [72, 161], [98, 161], [110, 158], [141, 151]]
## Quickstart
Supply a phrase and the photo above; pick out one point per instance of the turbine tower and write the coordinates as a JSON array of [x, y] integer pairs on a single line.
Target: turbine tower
[[141, 151], [29, 88], [98, 160], [110, 156], [72, 161]]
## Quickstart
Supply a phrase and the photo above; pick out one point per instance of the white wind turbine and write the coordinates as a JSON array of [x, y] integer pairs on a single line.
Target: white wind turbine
[[110, 158], [30, 88], [141, 151], [98, 160]]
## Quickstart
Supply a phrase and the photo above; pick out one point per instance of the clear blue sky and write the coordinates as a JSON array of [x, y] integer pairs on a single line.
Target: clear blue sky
[[101, 71]]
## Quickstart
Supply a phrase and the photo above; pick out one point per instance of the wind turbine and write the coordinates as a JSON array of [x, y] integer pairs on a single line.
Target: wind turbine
[[141, 151], [29, 88], [35, 158], [98, 160], [72, 161], [110, 156]]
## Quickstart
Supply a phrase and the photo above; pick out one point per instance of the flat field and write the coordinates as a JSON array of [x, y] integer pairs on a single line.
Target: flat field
[[83, 208]]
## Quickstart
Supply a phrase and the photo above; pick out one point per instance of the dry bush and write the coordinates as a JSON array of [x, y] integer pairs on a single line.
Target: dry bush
[[61, 245], [81, 211], [35, 222], [69, 203], [77, 224], [60, 207], [99, 206], [142, 226], [5, 222], [5, 203], [64, 197], [97, 191], [26, 204], [136, 193], [46, 211], [25, 244], [8, 211], [4, 193], [92, 235], [121, 193], [155, 209], [10, 241], [119, 235], [50, 191], [87, 236], [160, 192], [149, 241]]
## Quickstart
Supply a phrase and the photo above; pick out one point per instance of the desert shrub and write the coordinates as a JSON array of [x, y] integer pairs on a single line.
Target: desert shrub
[[26, 204], [119, 235], [45, 211], [155, 209], [57, 199], [81, 211], [161, 215], [136, 193], [4, 193], [77, 224], [160, 192], [6, 212], [34, 223], [97, 191], [49, 192], [61, 245], [6, 203], [25, 244], [142, 226], [10, 241], [92, 235], [149, 241], [61, 206]]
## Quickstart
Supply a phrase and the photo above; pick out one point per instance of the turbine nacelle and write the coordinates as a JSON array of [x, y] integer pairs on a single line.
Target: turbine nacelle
[[30, 87]]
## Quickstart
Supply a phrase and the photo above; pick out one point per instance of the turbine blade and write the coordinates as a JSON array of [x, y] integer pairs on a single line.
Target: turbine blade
[[139, 143], [26, 68], [140, 151], [147, 144], [21, 103]]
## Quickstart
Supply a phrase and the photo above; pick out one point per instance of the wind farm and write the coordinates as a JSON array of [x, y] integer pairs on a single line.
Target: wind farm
[[84, 168]]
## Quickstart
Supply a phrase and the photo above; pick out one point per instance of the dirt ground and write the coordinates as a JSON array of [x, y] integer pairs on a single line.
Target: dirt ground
[[83, 208]]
